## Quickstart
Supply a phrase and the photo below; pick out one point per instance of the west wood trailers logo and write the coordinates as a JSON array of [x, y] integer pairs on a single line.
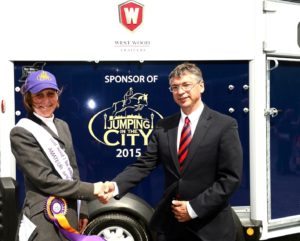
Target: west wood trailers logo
[[131, 14], [129, 121]]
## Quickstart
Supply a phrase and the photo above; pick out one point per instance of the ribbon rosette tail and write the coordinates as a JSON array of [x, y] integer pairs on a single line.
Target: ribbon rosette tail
[[55, 211]]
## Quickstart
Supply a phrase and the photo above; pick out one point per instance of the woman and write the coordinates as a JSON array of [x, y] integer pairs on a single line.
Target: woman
[[42, 146]]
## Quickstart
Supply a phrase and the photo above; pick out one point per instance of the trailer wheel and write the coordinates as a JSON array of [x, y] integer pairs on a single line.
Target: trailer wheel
[[117, 227]]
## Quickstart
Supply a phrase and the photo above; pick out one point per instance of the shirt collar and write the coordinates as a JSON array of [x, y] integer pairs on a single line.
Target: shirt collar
[[44, 119], [195, 115]]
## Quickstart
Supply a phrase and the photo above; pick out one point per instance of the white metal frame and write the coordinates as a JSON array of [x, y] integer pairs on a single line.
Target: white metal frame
[[31, 35]]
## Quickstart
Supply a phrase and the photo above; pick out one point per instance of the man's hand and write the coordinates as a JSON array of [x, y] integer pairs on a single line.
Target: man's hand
[[104, 191], [180, 211]]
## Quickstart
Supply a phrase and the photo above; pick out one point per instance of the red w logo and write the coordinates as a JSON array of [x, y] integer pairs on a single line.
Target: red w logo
[[131, 14]]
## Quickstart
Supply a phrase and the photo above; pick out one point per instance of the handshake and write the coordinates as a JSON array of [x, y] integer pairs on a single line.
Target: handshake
[[104, 191]]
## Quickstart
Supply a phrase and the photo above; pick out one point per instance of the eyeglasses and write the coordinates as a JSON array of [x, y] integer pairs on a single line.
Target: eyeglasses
[[185, 87]]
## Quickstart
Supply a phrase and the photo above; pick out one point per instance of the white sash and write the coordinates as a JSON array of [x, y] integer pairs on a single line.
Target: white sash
[[57, 157], [54, 152]]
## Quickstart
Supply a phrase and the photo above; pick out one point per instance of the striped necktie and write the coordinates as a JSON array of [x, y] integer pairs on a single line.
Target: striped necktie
[[185, 140]]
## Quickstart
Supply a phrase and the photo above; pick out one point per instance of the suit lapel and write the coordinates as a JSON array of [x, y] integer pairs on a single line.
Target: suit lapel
[[199, 135]]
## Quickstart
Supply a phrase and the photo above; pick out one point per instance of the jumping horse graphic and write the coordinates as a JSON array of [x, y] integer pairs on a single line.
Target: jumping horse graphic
[[130, 104]]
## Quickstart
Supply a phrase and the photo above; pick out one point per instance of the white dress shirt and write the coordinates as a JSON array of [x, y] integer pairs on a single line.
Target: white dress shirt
[[194, 118]]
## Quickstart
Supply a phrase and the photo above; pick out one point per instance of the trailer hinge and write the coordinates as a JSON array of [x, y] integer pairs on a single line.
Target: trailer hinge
[[267, 8], [273, 112], [267, 49]]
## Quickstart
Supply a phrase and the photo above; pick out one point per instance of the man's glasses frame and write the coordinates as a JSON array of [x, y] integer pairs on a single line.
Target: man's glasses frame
[[186, 87]]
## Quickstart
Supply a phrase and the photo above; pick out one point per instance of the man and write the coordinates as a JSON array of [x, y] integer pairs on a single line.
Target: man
[[202, 160]]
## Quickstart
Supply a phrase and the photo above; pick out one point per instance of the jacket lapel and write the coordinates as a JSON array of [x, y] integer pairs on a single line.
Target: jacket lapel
[[41, 123], [198, 137]]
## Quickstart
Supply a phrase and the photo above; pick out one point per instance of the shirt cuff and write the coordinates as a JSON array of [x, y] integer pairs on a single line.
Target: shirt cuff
[[116, 191], [191, 211]]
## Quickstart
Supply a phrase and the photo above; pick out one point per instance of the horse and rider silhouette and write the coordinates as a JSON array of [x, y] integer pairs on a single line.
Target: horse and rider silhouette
[[130, 104]]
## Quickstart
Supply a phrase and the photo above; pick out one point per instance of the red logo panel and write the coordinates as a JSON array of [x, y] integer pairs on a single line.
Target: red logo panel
[[131, 14]]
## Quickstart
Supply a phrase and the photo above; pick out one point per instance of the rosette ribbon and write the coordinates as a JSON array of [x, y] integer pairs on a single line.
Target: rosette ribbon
[[56, 209]]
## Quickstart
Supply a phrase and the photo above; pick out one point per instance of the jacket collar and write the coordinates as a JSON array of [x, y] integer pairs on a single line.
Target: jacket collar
[[37, 120]]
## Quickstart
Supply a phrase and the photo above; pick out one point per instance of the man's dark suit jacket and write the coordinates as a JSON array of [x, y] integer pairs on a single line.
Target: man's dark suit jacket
[[42, 180], [211, 173]]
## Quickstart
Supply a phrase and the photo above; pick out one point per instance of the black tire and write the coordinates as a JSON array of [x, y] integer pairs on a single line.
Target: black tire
[[110, 225]]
